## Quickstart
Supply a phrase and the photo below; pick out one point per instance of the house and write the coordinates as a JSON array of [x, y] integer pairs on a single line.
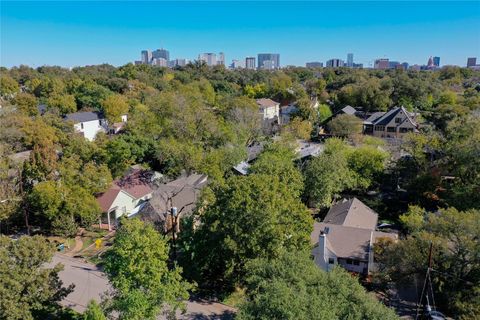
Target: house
[[304, 150], [181, 193], [392, 124], [89, 124], [346, 237], [127, 195], [287, 112], [269, 112]]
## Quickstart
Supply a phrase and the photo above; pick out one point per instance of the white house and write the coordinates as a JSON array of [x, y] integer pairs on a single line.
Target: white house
[[127, 195], [346, 237], [89, 124]]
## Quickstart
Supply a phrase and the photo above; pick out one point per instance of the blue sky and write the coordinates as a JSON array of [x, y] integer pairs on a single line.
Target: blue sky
[[81, 33]]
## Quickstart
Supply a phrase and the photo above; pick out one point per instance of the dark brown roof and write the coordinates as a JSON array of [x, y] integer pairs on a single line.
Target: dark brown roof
[[136, 184]]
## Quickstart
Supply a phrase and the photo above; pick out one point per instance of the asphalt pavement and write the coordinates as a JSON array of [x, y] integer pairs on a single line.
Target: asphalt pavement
[[90, 283]]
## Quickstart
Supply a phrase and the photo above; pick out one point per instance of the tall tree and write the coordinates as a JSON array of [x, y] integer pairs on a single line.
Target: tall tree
[[293, 287], [137, 266], [29, 290]]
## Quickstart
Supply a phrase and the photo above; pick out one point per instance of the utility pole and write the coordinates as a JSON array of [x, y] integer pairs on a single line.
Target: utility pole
[[174, 227], [427, 277]]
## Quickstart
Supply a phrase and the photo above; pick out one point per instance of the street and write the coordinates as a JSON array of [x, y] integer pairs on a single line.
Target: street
[[91, 283]]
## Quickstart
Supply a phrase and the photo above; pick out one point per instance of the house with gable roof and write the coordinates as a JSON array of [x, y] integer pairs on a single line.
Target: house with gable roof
[[126, 195], [346, 237], [392, 124]]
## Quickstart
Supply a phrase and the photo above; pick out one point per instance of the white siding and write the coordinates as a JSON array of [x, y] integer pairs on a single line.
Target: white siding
[[90, 128]]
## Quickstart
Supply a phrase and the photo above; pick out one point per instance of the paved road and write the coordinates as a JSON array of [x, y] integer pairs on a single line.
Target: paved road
[[91, 283]]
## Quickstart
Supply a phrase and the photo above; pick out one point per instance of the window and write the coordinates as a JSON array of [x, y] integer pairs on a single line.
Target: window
[[404, 130], [356, 262], [349, 261], [398, 120], [100, 122], [331, 261], [81, 125], [390, 129], [379, 128]]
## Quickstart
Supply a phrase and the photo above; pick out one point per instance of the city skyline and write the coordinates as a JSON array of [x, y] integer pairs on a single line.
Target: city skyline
[[79, 33]]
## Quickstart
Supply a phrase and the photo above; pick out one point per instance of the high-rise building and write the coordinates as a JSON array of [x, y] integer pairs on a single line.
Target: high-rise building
[[221, 59], [209, 58], [393, 64], [161, 53], [274, 59], [250, 63], [314, 64], [160, 62], [236, 64], [269, 65], [436, 61], [471, 62], [181, 62], [381, 64], [334, 63], [405, 65], [146, 57], [350, 60]]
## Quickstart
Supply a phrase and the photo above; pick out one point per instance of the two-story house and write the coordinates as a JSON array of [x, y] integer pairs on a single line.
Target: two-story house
[[89, 124], [346, 237], [269, 112], [392, 124]]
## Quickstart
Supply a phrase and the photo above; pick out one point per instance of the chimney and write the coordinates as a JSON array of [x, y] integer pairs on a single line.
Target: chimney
[[322, 246]]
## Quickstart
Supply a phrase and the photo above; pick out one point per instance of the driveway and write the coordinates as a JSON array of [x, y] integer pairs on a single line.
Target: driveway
[[91, 283]]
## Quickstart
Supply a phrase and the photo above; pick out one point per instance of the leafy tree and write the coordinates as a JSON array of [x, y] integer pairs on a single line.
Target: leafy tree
[[328, 174], [255, 91], [454, 235], [64, 103], [252, 216], [26, 103], [293, 287], [138, 271], [324, 113], [297, 129], [114, 107], [29, 289], [8, 85], [93, 312], [368, 163], [345, 125]]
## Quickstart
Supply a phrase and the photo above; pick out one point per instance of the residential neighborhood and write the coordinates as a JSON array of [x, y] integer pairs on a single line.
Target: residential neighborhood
[[318, 176]]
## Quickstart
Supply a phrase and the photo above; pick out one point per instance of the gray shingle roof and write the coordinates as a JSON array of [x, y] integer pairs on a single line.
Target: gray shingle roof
[[352, 213], [349, 110], [83, 116]]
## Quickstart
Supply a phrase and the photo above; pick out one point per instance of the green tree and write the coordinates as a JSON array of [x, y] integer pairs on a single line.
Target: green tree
[[345, 125], [94, 312], [252, 216], [64, 103], [29, 290], [26, 103], [324, 113], [138, 271], [293, 287], [329, 174], [114, 107], [368, 163], [8, 85], [454, 235]]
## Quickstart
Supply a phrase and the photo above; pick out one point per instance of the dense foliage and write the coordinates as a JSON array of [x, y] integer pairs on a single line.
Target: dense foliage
[[28, 290], [293, 287], [201, 119]]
